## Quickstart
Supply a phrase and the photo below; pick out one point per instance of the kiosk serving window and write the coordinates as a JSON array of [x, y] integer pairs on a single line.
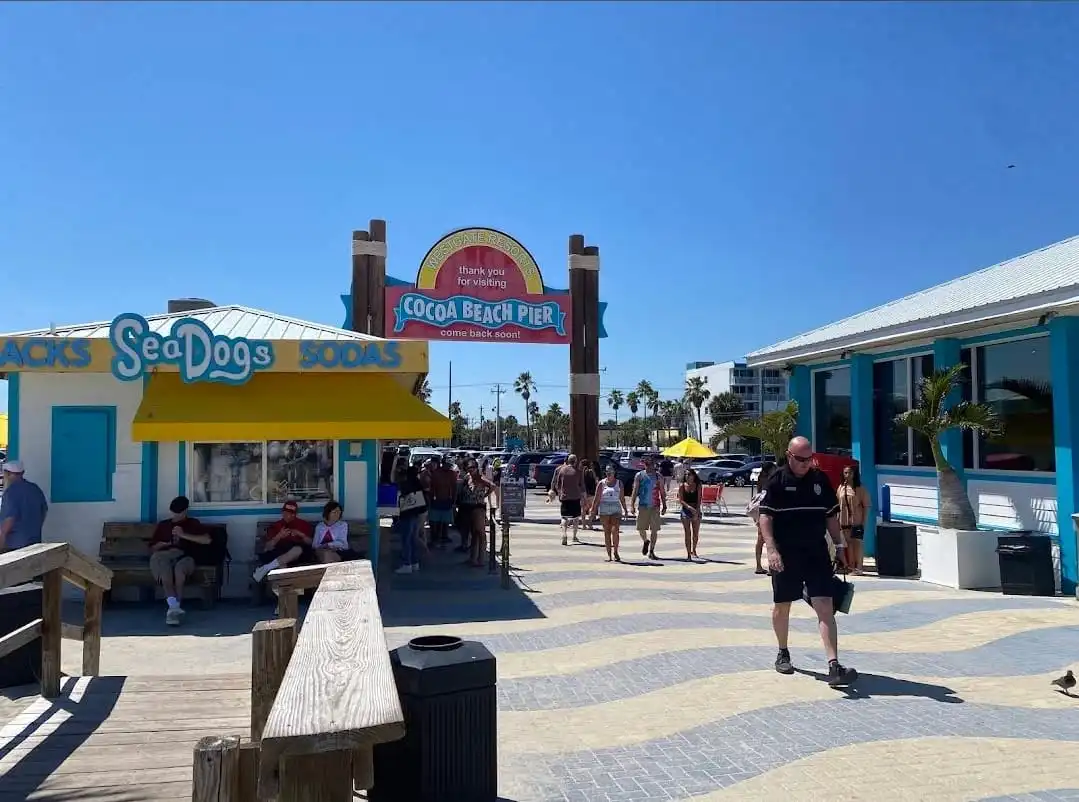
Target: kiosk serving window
[[261, 472]]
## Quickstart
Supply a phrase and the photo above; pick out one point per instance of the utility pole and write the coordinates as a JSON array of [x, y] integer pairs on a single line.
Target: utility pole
[[480, 429], [449, 402], [498, 390]]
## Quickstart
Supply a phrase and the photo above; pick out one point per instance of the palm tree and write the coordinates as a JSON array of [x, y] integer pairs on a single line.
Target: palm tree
[[615, 400], [457, 422], [697, 393], [649, 400], [552, 420], [633, 401], [524, 385], [724, 409], [424, 391], [532, 416], [932, 417], [773, 429]]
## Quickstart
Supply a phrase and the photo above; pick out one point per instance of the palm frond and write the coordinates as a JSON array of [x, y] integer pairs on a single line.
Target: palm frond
[[973, 417], [1040, 392], [937, 386], [919, 420]]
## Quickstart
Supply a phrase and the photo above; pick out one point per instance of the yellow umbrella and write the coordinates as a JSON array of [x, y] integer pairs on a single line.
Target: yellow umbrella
[[689, 448]]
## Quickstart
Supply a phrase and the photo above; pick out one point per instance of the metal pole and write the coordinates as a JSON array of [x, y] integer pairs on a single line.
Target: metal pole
[[449, 403], [505, 551], [492, 564]]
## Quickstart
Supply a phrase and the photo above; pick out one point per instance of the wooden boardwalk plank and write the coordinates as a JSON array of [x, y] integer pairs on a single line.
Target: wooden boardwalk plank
[[115, 739]]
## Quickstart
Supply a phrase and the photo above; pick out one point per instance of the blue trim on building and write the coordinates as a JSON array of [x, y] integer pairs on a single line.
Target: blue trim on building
[[902, 470], [13, 416], [83, 439], [946, 354], [342, 447], [921, 519], [371, 453], [149, 481], [861, 432], [181, 468], [1064, 375], [800, 390], [902, 353], [839, 363], [1015, 478], [983, 339]]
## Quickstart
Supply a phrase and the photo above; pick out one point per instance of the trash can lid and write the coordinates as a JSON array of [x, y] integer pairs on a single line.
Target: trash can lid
[[442, 664]]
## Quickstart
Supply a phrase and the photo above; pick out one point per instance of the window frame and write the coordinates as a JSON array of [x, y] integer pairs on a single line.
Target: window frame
[[908, 359], [976, 455], [189, 462], [829, 368]]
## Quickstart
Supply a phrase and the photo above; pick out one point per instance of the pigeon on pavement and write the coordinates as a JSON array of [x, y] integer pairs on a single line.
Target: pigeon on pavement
[[1065, 683]]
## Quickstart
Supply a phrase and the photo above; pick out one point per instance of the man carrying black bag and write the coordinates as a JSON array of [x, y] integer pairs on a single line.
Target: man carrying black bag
[[798, 508]]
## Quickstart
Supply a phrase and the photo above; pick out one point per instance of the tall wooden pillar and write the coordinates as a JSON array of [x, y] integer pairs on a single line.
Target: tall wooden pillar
[[369, 280], [584, 348]]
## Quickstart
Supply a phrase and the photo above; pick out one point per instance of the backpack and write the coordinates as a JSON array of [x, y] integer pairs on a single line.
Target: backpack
[[214, 553]]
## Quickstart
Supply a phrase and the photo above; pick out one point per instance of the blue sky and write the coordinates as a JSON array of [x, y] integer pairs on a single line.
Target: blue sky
[[749, 171]]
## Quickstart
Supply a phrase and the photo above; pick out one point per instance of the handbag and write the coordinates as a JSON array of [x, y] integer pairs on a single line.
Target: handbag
[[407, 502], [842, 594]]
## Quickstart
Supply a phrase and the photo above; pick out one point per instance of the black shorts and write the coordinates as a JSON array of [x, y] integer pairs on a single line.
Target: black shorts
[[571, 508], [809, 570], [856, 532], [307, 554]]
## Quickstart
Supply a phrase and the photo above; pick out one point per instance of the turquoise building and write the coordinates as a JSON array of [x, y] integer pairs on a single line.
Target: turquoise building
[[1016, 326]]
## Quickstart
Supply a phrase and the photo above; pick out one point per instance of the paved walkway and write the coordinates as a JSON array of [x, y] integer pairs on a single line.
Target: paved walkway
[[653, 680]]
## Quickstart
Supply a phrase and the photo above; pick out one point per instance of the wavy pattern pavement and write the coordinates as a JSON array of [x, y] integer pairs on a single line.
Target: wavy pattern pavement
[[654, 681]]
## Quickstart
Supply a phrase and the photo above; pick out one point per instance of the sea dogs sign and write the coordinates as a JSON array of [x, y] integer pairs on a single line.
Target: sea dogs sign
[[478, 284]]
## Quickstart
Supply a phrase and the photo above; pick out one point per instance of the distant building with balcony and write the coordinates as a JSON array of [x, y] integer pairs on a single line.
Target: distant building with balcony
[[760, 390]]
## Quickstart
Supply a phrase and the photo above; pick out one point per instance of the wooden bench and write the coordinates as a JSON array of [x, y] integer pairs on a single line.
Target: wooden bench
[[359, 535], [125, 550]]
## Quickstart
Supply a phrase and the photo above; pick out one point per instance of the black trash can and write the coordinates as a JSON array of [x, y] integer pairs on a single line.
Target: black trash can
[[19, 606], [1026, 564], [897, 549], [450, 748]]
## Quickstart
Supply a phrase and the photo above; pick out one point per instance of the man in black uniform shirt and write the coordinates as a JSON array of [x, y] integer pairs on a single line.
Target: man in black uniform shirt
[[799, 506]]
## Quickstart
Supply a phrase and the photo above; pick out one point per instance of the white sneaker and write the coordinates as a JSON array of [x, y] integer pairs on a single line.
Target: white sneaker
[[415, 568], [404, 569], [174, 617], [260, 572]]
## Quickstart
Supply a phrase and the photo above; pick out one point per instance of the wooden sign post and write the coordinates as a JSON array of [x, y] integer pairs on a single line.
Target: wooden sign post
[[584, 349]]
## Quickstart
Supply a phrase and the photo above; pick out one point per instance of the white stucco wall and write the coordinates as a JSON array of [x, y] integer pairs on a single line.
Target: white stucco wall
[[80, 523]]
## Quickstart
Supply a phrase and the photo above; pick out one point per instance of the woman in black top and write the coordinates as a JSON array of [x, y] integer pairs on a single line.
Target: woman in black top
[[689, 495], [590, 482]]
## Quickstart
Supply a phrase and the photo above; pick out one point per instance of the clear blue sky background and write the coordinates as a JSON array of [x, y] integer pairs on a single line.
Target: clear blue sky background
[[749, 171]]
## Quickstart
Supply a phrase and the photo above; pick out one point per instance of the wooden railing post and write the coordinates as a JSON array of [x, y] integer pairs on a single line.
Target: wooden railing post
[[51, 598], [321, 777], [272, 643], [216, 770], [91, 631]]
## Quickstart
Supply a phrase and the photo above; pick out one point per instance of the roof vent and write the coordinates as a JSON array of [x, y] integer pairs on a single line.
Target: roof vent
[[180, 305]]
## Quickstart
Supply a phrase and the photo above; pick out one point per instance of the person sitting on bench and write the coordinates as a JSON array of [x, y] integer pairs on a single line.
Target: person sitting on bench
[[288, 541], [331, 536], [171, 560]]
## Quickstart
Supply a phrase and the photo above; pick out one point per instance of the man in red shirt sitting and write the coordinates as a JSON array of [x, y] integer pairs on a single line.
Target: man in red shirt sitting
[[171, 560], [287, 541]]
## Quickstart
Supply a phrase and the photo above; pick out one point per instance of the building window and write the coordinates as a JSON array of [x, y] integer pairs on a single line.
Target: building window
[[831, 411], [891, 397], [261, 472], [897, 388], [1013, 378]]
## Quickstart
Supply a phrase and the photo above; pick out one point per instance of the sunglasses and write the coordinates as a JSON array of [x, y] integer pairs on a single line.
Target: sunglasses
[[800, 459]]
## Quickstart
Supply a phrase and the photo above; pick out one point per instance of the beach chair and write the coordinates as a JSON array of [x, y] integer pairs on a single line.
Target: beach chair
[[712, 499]]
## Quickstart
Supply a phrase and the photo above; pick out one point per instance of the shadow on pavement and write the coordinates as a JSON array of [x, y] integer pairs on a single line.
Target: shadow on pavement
[[227, 617], [869, 686]]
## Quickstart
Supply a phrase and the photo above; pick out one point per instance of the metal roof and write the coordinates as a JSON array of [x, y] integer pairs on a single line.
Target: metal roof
[[1049, 275], [229, 321]]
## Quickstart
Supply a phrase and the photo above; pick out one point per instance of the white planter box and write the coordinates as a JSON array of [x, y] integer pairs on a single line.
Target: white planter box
[[958, 559]]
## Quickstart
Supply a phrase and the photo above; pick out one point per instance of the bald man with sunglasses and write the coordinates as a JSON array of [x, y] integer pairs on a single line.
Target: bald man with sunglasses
[[798, 509]]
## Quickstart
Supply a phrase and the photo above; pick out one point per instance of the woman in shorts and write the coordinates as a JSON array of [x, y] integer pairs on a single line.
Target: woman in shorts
[[753, 511], [854, 505], [590, 483], [689, 496], [609, 503], [472, 502]]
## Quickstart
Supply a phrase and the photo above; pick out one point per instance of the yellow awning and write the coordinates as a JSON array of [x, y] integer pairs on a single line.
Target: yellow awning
[[284, 406], [689, 448]]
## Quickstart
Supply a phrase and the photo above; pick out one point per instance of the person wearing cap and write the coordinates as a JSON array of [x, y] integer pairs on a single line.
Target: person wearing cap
[[288, 540], [22, 509], [172, 558]]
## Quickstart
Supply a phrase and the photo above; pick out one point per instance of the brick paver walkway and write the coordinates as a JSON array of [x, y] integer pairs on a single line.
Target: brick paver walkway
[[653, 681]]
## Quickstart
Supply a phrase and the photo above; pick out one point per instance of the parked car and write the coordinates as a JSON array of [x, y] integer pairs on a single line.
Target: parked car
[[714, 471], [740, 477], [543, 471], [520, 464]]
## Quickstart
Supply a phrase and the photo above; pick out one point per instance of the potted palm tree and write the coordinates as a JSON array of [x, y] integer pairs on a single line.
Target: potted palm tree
[[954, 552], [773, 429]]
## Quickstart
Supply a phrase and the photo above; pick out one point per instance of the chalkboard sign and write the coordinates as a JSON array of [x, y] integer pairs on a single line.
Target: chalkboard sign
[[513, 501]]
